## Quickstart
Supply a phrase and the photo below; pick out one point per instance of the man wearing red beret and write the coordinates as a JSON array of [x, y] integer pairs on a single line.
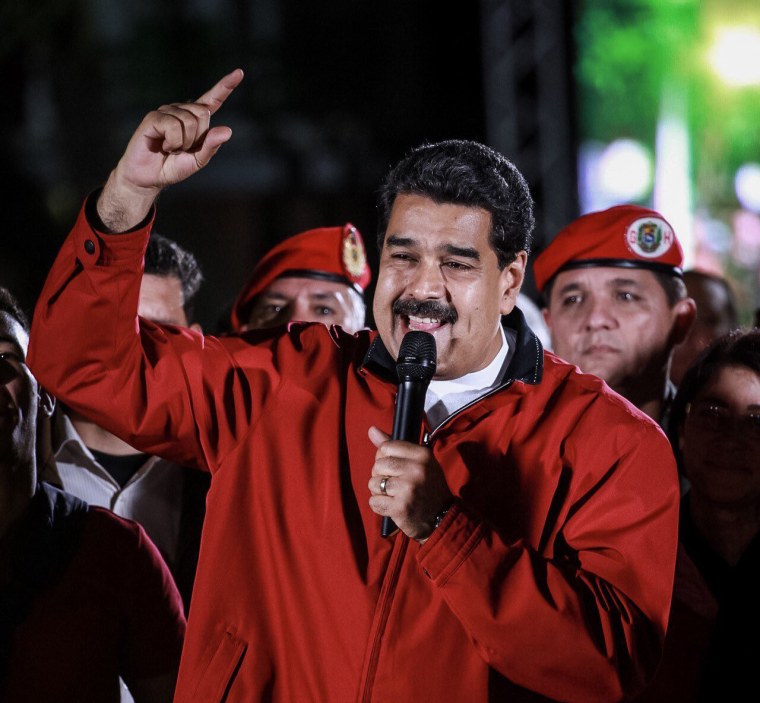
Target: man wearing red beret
[[616, 303], [317, 276]]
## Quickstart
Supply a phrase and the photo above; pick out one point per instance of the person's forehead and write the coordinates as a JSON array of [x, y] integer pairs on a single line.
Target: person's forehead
[[606, 277], [418, 220], [293, 286], [735, 383], [12, 334]]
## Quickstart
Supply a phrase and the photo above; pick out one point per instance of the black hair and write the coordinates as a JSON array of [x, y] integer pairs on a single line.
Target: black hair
[[10, 305], [695, 275], [739, 347], [674, 287], [465, 173], [164, 257]]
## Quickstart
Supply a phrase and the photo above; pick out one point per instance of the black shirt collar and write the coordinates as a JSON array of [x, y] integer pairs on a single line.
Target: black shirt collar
[[527, 362]]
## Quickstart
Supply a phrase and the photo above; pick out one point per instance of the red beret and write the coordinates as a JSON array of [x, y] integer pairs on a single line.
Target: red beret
[[625, 235], [329, 253]]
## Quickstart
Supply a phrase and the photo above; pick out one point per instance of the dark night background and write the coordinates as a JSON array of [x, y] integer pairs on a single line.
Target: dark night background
[[335, 92]]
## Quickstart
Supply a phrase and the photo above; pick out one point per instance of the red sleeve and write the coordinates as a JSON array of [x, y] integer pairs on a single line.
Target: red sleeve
[[144, 593], [165, 390], [602, 590]]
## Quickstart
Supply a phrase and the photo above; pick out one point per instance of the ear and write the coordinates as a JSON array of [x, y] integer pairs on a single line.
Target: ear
[[511, 279], [685, 312], [47, 402], [547, 317]]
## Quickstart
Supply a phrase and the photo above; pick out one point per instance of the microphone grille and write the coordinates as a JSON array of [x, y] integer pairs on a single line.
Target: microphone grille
[[416, 357]]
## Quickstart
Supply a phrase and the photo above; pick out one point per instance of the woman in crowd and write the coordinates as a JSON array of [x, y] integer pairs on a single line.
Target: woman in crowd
[[712, 649]]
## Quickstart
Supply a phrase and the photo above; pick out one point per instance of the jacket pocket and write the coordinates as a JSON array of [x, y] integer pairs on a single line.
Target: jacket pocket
[[214, 684]]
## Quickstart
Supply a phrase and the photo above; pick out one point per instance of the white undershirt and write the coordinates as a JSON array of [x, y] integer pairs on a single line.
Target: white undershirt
[[446, 397]]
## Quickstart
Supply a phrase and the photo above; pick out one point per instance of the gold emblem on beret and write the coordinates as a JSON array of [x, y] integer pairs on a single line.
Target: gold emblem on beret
[[354, 257]]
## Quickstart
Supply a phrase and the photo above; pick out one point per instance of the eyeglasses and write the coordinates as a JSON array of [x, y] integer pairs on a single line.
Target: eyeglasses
[[10, 367], [717, 419]]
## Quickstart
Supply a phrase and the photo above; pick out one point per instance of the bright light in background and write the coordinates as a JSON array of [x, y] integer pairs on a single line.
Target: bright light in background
[[747, 186], [612, 174], [625, 171], [735, 56], [672, 180]]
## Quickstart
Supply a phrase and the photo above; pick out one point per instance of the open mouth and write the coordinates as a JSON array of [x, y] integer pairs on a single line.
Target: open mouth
[[424, 315], [424, 324]]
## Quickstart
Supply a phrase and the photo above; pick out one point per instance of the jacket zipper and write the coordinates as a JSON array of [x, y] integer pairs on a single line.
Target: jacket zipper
[[428, 438], [386, 596], [386, 599]]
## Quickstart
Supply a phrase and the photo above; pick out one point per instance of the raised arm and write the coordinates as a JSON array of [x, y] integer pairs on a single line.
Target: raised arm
[[171, 144], [87, 346]]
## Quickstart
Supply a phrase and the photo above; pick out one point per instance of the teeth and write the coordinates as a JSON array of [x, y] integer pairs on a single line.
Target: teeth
[[424, 320]]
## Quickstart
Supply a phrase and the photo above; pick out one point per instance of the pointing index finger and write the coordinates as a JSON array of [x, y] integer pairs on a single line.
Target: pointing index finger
[[215, 97]]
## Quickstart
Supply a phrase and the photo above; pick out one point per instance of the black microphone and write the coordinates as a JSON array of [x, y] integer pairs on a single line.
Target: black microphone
[[415, 367]]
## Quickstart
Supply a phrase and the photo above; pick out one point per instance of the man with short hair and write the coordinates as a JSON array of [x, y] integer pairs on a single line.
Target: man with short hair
[[316, 276], [84, 595], [716, 315], [537, 520], [95, 465], [616, 304], [170, 283]]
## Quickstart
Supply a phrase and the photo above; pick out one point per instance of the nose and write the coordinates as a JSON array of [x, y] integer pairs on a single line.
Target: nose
[[598, 315], [300, 310], [427, 282]]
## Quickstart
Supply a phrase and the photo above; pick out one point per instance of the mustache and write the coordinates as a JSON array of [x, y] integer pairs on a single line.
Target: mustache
[[425, 308]]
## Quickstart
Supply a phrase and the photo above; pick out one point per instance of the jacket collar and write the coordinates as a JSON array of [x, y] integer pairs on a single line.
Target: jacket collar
[[527, 362], [51, 505]]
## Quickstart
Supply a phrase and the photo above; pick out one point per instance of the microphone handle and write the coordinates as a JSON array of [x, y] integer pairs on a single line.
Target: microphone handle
[[407, 425]]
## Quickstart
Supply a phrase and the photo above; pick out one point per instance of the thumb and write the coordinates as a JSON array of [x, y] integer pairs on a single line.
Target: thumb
[[211, 144], [377, 436]]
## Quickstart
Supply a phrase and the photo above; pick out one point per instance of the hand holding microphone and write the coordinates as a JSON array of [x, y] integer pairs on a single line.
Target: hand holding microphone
[[407, 482]]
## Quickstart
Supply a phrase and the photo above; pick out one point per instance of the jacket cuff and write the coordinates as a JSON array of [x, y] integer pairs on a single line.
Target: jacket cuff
[[97, 247], [450, 544]]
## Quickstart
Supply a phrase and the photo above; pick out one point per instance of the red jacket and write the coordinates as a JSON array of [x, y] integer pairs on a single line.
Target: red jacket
[[89, 599], [552, 572]]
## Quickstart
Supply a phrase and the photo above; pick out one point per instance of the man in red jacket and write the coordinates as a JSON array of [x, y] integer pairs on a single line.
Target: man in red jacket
[[537, 521]]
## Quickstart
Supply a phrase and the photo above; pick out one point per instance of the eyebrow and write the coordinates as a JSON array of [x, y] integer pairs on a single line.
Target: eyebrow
[[624, 282], [568, 287], [613, 283], [323, 296], [396, 240], [270, 296], [715, 400], [712, 400], [331, 295]]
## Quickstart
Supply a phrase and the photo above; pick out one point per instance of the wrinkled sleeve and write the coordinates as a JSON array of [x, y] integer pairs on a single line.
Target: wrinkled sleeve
[[165, 390], [582, 618]]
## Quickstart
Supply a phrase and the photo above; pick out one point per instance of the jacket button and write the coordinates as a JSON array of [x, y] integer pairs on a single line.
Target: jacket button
[[89, 246]]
